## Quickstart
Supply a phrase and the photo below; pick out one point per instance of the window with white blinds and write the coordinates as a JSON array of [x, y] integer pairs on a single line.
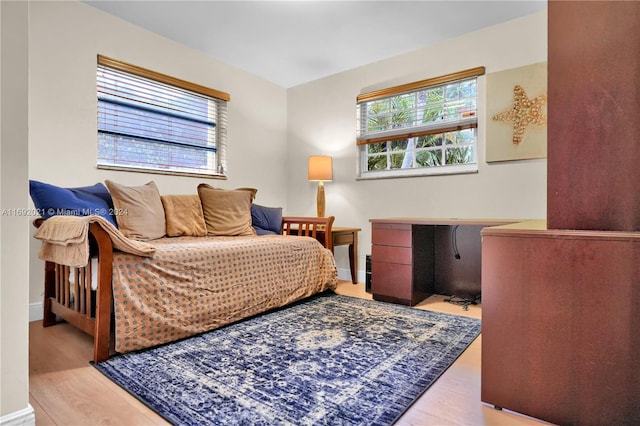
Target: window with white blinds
[[421, 128], [159, 124]]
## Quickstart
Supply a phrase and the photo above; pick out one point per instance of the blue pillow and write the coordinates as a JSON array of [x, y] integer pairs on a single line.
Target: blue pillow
[[51, 200], [266, 220]]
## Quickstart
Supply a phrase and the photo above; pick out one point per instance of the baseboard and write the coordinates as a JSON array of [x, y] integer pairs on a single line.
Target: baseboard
[[24, 417], [35, 311]]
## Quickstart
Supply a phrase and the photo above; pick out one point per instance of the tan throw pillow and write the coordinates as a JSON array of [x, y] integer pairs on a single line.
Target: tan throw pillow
[[184, 215], [253, 191], [141, 215], [226, 212]]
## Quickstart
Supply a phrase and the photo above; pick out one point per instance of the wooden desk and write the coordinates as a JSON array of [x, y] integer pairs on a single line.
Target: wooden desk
[[412, 258], [343, 236]]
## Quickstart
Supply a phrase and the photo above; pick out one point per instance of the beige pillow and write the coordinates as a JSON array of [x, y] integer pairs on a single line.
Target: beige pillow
[[226, 212], [253, 191], [184, 215], [141, 215]]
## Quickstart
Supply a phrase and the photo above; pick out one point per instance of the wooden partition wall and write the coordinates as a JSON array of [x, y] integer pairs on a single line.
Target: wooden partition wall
[[561, 298], [594, 115]]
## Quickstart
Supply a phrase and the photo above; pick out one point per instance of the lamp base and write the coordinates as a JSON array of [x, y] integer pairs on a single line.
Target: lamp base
[[320, 199]]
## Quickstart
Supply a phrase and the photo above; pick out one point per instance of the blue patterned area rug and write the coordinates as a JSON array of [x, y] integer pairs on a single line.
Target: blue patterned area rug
[[328, 360]]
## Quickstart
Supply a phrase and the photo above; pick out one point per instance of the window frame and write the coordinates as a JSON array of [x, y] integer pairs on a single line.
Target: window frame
[[218, 168], [416, 129]]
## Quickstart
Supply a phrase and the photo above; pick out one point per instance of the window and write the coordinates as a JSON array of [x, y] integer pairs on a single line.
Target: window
[[421, 128], [155, 123]]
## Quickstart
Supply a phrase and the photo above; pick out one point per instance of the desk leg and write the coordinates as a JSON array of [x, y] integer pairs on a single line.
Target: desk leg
[[353, 249], [348, 237]]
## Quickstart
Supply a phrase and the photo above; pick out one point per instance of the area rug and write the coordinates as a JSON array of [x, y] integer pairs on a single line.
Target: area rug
[[328, 360]]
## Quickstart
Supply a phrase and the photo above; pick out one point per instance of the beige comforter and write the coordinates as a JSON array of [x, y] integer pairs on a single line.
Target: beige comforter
[[195, 284]]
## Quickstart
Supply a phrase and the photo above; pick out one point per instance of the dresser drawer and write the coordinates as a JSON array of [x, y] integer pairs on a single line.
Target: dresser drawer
[[391, 234], [391, 254], [391, 280]]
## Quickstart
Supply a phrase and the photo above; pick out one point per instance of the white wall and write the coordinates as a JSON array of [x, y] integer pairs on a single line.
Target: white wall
[[322, 120], [14, 238], [65, 38]]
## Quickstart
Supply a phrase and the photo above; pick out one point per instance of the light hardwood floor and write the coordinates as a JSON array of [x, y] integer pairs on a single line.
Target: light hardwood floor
[[65, 390]]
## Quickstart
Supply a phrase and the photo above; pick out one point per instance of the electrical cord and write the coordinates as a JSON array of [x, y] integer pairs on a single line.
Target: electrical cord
[[454, 242], [464, 302]]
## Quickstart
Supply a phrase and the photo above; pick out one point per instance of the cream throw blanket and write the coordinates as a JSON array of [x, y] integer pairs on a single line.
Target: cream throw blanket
[[65, 240]]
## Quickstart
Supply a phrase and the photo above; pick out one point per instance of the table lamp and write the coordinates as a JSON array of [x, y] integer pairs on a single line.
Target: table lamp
[[321, 170]]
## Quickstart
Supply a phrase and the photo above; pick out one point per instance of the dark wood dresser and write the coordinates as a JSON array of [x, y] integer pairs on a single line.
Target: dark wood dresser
[[560, 318], [561, 298]]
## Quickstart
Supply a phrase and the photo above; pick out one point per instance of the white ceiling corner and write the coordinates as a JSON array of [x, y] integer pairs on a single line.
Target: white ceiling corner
[[294, 42]]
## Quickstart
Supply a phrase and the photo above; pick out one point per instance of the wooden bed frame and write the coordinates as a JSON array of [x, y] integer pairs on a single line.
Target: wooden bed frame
[[90, 310]]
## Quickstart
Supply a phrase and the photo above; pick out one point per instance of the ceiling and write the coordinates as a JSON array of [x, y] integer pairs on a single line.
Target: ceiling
[[294, 42]]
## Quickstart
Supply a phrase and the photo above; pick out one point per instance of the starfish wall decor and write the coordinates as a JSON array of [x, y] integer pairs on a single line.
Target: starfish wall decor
[[524, 112]]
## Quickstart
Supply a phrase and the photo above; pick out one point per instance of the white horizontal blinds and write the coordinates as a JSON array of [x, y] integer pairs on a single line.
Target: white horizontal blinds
[[151, 125], [219, 110], [422, 108]]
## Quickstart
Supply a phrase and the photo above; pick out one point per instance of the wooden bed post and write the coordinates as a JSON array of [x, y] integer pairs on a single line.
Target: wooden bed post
[[102, 331], [48, 317]]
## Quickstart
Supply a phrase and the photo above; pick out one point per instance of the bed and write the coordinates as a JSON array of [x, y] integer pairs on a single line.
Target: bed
[[186, 285]]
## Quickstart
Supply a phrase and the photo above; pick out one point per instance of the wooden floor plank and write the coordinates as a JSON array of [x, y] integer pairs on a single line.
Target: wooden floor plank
[[42, 418]]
